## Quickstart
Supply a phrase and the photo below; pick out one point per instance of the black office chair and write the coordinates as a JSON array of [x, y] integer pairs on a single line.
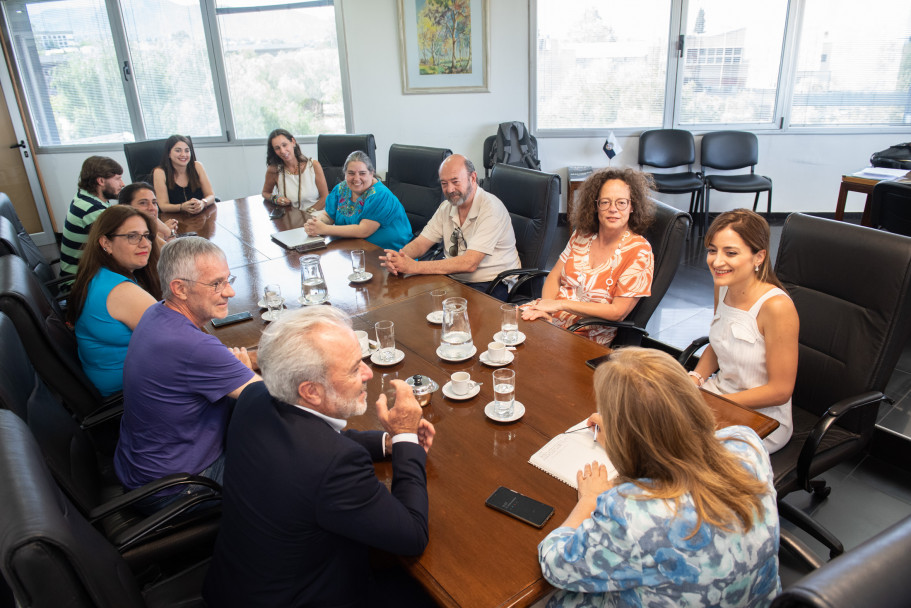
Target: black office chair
[[667, 236], [51, 556], [84, 471], [669, 148], [143, 157], [853, 327], [728, 150], [533, 201], [413, 176], [890, 207], [332, 150], [28, 250], [875, 573]]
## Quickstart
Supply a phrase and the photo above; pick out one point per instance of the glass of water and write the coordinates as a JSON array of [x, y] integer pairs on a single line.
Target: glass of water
[[358, 263], [509, 323], [385, 337], [504, 392], [272, 296]]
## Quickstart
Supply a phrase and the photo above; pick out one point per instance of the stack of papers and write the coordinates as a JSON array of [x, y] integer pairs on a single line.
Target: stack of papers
[[881, 173]]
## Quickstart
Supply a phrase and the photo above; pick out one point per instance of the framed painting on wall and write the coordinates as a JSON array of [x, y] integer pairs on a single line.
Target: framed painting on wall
[[444, 46]]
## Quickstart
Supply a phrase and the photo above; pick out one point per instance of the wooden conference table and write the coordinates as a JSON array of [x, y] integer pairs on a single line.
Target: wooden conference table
[[476, 556]]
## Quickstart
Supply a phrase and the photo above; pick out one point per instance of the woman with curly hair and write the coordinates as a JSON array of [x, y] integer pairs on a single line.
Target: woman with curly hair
[[607, 263], [299, 180]]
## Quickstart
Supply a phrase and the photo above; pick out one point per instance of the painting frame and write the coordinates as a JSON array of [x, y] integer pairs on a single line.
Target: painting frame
[[414, 82]]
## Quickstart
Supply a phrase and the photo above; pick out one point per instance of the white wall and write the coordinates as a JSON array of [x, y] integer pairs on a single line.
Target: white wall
[[805, 169]]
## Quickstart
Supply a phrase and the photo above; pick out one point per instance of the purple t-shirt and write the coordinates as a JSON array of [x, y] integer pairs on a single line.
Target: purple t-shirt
[[175, 411]]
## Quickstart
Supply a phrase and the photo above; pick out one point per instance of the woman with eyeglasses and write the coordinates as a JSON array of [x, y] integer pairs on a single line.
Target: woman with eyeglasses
[[362, 207], [116, 282], [607, 264]]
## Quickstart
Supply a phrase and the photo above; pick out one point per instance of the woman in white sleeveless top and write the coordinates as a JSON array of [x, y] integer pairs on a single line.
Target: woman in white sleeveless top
[[752, 354], [292, 178]]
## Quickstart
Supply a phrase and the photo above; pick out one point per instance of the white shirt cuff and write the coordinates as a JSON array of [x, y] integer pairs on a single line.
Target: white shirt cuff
[[408, 437]]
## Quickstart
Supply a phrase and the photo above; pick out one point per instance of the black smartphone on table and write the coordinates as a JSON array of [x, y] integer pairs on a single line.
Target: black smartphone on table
[[520, 506], [277, 213], [594, 363], [230, 319]]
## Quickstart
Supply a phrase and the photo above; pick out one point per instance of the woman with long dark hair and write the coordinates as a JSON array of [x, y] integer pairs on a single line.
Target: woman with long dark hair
[[180, 181], [292, 178], [116, 282]]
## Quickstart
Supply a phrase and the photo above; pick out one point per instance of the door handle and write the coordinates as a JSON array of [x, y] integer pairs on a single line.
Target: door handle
[[21, 144]]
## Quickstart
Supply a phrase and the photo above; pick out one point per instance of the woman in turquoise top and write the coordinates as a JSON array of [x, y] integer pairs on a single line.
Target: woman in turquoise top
[[690, 519], [362, 207], [116, 282]]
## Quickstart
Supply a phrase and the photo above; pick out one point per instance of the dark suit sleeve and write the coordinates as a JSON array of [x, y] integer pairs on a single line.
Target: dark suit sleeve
[[372, 441], [353, 503]]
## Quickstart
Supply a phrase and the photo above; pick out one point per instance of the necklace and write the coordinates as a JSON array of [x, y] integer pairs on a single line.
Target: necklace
[[620, 243], [300, 180]]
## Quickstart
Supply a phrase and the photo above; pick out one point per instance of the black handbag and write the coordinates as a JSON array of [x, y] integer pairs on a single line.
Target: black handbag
[[895, 157]]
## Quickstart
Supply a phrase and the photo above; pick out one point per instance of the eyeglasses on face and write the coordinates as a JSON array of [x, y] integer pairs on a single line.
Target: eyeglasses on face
[[218, 286], [622, 204], [133, 238], [456, 238]]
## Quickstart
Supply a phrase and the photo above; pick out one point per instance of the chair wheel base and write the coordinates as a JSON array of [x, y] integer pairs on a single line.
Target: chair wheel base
[[820, 489]]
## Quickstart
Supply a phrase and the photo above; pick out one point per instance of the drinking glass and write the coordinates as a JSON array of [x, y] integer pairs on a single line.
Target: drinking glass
[[437, 296], [504, 392], [385, 337], [509, 323], [358, 263], [272, 295]]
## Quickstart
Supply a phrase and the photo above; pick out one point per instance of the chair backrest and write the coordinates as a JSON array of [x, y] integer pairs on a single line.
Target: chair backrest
[[143, 157], [413, 176], [665, 148], [875, 573], [332, 150], [890, 207], [533, 201], [727, 150], [50, 344], [51, 556], [852, 289], [667, 236], [27, 249], [9, 240]]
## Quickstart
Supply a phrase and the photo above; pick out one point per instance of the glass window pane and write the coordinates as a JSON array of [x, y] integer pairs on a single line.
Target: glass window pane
[[171, 64], [853, 66], [733, 61], [282, 69], [70, 71], [601, 64]]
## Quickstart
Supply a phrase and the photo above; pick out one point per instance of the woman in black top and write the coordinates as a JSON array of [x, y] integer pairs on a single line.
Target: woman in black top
[[181, 183]]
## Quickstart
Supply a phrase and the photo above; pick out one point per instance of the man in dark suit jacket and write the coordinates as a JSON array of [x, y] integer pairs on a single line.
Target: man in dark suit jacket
[[302, 503]]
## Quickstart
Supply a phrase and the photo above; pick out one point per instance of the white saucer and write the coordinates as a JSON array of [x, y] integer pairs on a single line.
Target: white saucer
[[474, 349], [353, 278], [435, 317], [371, 348], [375, 358], [269, 315], [518, 411], [262, 303], [472, 392], [485, 359], [499, 337]]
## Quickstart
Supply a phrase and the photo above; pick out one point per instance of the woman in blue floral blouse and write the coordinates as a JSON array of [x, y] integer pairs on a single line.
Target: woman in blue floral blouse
[[691, 517], [362, 207]]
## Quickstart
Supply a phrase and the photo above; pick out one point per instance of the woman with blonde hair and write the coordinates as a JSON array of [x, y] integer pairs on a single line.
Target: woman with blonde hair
[[690, 518], [752, 353]]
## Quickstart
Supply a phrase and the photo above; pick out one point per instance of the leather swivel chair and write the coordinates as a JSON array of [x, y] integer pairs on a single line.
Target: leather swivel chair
[[84, 472], [728, 150], [51, 556], [28, 250], [667, 236], [143, 157], [413, 176], [332, 150], [669, 148], [875, 573], [890, 207], [533, 201]]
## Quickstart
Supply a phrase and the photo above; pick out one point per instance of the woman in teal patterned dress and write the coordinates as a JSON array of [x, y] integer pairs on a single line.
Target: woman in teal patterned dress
[[362, 207], [690, 520]]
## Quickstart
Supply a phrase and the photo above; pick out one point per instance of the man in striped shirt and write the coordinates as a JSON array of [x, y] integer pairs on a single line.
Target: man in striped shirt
[[100, 181]]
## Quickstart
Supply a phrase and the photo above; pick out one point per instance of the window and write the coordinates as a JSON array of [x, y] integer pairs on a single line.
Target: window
[[97, 71], [853, 66]]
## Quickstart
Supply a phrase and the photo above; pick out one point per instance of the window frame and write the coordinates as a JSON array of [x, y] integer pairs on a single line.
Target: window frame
[[215, 51]]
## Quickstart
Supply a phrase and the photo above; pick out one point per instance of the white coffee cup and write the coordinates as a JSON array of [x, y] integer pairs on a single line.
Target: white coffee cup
[[362, 340], [496, 352], [461, 382]]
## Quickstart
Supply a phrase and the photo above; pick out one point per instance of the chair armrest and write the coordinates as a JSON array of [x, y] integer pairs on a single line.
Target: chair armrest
[[127, 500], [138, 531], [589, 321], [111, 408], [435, 252], [688, 352], [811, 443], [524, 274]]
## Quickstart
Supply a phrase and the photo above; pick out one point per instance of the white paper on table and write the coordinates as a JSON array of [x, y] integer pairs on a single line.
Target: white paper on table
[[881, 173], [567, 453]]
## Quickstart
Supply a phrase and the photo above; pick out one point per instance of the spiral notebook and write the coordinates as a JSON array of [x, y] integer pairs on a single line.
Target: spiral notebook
[[564, 455]]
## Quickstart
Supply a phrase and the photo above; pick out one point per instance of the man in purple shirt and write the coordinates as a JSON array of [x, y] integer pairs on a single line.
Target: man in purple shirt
[[179, 382]]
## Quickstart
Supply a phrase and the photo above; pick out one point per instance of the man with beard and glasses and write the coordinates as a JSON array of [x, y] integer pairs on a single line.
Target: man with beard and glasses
[[302, 503], [475, 228], [100, 182]]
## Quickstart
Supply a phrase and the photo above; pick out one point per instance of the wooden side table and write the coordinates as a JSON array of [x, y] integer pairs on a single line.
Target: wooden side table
[[852, 183]]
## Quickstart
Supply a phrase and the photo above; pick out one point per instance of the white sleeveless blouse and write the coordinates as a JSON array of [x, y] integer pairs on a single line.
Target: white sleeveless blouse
[[741, 353], [288, 186]]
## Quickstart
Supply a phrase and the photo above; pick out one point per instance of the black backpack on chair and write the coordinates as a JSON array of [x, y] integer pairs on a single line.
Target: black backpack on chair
[[512, 145]]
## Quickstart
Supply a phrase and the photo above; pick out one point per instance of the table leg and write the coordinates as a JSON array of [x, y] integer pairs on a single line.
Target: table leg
[[842, 199], [865, 219]]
